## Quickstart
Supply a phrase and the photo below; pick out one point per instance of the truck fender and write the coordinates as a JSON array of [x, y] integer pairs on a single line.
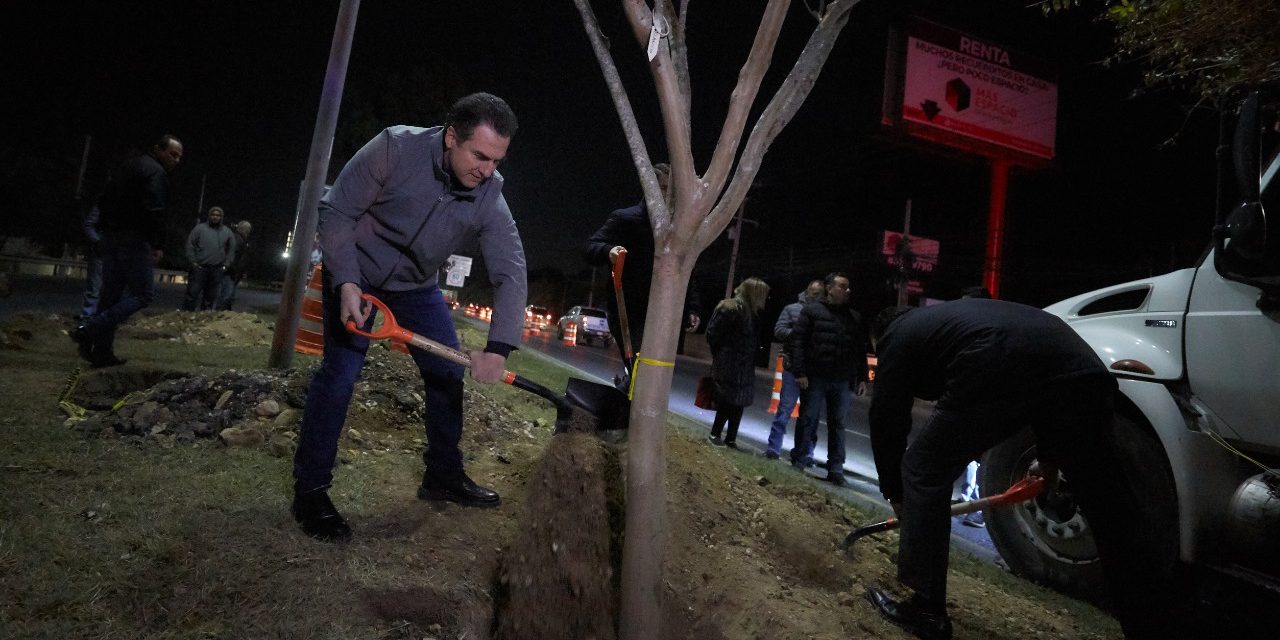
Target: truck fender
[[1203, 472]]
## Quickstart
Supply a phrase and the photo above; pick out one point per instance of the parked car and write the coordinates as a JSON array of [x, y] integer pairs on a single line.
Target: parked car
[[591, 324], [537, 318]]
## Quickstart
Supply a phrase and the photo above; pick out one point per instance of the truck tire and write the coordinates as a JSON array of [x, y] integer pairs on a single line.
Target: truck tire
[[1051, 544]]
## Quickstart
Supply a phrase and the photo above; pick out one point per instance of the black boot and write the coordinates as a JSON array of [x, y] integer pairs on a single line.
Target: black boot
[[84, 342], [319, 519], [457, 488], [927, 623]]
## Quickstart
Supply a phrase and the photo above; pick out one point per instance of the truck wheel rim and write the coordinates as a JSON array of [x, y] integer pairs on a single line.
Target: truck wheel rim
[[1058, 529]]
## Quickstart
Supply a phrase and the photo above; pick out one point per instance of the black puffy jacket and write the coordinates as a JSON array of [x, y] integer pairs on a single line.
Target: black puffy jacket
[[829, 342]]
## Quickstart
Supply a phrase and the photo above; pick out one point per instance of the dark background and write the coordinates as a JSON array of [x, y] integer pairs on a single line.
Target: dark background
[[239, 83]]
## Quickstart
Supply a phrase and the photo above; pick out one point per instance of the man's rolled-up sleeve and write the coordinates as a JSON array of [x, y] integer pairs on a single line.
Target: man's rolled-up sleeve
[[356, 189]]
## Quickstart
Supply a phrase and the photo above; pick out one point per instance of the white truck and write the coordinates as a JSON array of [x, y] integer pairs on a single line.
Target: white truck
[[1197, 356]]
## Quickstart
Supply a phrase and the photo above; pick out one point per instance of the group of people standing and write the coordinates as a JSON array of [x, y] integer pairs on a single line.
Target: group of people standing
[[824, 347], [124, 231], [218, 254]]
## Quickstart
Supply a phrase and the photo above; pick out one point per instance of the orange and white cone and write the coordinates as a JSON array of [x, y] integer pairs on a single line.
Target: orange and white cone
[[571, 335], [776, 397]]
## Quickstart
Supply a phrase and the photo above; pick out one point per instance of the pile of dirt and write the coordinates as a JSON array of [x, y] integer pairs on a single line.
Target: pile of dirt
[[264, 408], [200, 327], [556, 577]]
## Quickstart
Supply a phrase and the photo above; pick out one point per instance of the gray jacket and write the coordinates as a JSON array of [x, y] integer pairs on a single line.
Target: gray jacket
[[393, 217], [209, 247], [782, 328]]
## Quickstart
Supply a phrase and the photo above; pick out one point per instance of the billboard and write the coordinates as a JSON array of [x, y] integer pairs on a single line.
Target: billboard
[[923, 251], [958, 89]]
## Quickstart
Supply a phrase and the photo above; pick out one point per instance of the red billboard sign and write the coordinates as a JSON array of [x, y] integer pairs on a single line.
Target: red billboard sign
[[956, 86]]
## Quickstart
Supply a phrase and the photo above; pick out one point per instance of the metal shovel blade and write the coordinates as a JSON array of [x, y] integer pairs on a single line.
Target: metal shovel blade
[[610, 406]]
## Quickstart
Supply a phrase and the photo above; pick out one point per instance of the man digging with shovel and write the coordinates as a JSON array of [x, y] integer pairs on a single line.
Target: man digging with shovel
[[994, 368], [400, 207]]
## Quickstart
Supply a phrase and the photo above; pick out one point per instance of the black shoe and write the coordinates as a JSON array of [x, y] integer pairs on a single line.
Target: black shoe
[[772, 455], [319, 519], [715, 440], [928, 625], [84, 342], [837, 478], [459, 489], [732, 444], [108, 360]]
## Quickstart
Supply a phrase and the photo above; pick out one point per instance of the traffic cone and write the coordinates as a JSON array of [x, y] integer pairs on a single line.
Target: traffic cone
[[776, 397], [571, 335], [310, 338]]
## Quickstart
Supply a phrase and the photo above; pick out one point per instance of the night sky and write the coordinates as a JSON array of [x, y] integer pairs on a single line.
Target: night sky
[[239, 83]]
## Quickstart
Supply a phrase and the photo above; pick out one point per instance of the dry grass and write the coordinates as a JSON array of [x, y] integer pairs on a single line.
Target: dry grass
[[113, 538]]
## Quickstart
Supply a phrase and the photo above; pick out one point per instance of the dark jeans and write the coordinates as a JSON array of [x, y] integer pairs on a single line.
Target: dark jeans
[[834, 396], [422, 311], [730, 414], [203, 283], [226, 293], [92, 282], [787, 400], [128, 285], [1072, 425]]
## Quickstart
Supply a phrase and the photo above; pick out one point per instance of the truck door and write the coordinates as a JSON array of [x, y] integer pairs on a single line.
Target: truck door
[[1233, 357]]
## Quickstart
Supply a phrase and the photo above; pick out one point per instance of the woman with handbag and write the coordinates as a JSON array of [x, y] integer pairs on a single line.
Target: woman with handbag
[[732, 335]]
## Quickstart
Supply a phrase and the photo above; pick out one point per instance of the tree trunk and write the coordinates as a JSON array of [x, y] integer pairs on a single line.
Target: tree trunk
[[643, 551]]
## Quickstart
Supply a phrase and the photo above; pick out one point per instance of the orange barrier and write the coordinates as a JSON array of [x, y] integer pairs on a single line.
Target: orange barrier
[[776, 397], [310, 338], [571, 335]]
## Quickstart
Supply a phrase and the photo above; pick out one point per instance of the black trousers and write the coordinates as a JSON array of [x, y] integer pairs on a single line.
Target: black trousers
[[1072, 425], [730, 414]]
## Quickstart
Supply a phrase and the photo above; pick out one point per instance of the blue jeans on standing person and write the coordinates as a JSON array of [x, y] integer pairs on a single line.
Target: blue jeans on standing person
[[203, 283], [226, 293], [835, 396], [128, 285], [422, 311], [787, 399]]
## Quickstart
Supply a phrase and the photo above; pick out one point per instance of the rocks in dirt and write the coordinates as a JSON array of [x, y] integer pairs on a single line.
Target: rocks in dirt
[[241, 437], [268, 408]]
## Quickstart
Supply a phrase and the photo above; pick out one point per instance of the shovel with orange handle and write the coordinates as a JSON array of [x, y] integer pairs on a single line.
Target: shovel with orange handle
[[1024, 490], [583, 395]]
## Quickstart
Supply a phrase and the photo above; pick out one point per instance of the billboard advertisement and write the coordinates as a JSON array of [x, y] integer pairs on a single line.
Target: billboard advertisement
[[958, 85]]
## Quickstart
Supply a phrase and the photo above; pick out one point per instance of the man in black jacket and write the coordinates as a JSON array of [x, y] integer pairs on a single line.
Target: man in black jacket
[[995, 367], [829, 360], [132, 209], [630, 229]]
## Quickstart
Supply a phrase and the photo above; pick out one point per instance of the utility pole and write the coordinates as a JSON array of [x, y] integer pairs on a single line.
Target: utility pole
[[84, 162], [591, 293], [304, 227], [905, 257], [200, 202], [736, 234]]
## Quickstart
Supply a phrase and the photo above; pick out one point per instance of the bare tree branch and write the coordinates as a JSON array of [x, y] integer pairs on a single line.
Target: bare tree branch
[[621, 102], [777, 114], [684, 176], [744, 94]]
